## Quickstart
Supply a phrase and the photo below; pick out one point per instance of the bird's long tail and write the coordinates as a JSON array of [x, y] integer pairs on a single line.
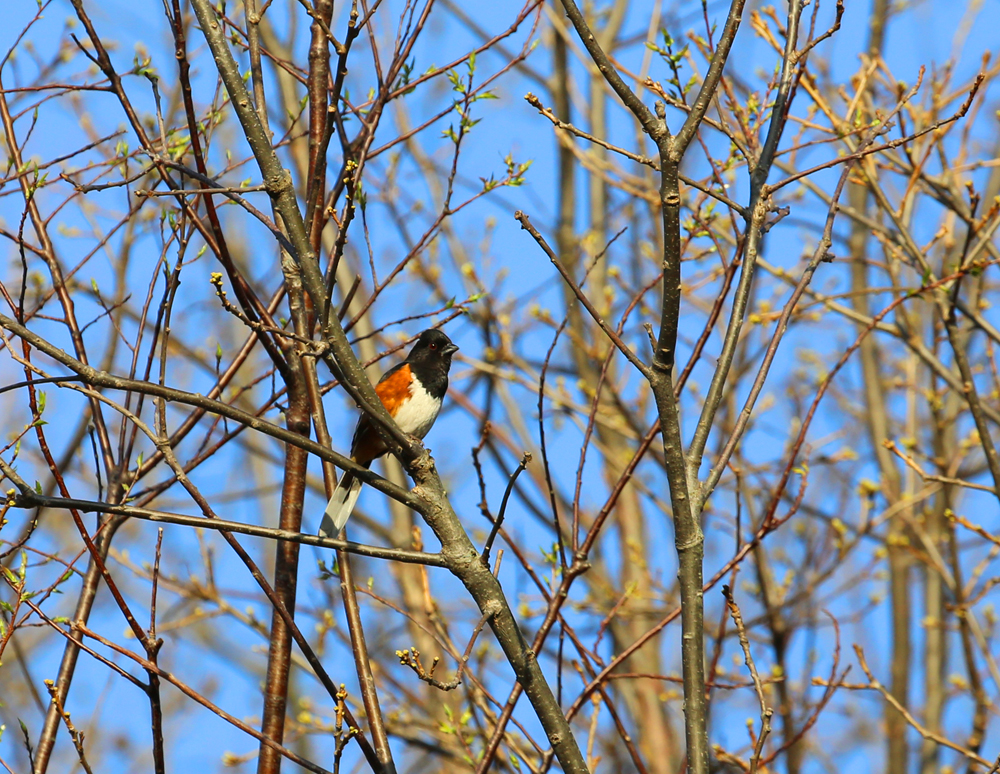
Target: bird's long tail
[[338, 510]]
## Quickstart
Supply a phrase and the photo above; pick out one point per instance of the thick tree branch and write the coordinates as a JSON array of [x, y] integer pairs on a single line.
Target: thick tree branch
[[456, 546], [652, 125]]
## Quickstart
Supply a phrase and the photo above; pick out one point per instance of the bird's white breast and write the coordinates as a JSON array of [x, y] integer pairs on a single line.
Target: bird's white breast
[[417, 414]]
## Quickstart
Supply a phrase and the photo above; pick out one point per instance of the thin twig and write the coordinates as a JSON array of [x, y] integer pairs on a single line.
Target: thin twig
[[765, 711], [874, 684], [28, 498], [498, 521], [521, 218]]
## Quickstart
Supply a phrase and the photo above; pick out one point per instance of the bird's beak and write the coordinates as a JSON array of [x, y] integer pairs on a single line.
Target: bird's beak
[[450, 349]]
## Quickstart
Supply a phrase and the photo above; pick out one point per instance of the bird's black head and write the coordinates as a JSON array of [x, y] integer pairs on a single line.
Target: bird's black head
[[433, 345], [430, 360]]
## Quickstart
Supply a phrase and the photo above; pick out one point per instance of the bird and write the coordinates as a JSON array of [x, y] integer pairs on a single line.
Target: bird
[[412, 393]]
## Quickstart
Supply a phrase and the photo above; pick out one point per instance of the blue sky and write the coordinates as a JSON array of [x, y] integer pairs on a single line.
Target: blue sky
[[922, 36]]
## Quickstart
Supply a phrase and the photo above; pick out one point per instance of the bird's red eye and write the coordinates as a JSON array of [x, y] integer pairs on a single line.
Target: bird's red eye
[[434, 346]]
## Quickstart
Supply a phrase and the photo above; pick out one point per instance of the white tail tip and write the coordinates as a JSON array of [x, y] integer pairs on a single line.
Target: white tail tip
[[339, 509]]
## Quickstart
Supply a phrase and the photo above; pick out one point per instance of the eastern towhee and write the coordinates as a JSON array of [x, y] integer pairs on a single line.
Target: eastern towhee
[[412, 393]]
